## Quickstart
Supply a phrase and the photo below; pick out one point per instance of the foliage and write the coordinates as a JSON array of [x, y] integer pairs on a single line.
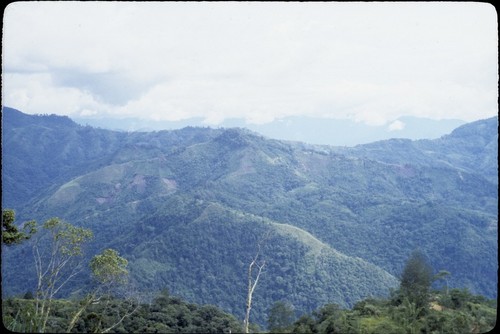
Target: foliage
[[167, 313], [10, 233], [57, 252], [164, 314], [281, 316], [382, 316], [109, 267], [416, 280], [109, 271], [183, 205]]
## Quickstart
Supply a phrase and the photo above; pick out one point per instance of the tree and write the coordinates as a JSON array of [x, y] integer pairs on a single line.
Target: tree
[[10, 233], [305, 324], [252, 281], [281, 317], [252, 284], [443, 275], [416, 280], [408, 316], [58, 255], [328, 318], [108, 270]]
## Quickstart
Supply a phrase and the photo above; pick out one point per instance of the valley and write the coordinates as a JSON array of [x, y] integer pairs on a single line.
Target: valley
[[187, 208]]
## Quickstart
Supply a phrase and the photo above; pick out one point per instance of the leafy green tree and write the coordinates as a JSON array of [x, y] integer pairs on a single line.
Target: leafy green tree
[[28, 295], [443, 275], [10, 233], [416, 280], [305, 324], [58, 257], [281, 317], [408, 316], [457, 298], [108, 270], [328, 318]]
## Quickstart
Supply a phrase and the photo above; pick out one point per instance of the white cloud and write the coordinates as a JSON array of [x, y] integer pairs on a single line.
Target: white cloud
[[397, 125], [372, 62], [37, 93]]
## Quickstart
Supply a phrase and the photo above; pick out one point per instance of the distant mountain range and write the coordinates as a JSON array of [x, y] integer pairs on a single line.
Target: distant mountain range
[[188, 207], [320, 131]]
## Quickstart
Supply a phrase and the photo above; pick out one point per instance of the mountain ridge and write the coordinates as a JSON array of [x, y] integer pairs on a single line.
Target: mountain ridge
[[314, 130], [184, 193]]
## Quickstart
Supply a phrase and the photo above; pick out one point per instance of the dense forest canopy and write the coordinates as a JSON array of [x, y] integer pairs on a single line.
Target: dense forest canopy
[[186, 209]]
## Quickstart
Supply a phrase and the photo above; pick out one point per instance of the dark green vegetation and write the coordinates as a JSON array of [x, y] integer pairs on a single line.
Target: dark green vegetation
[[453, 311], [164, 314], [11, 234], [413, 308], [456, 312], [187, 208]]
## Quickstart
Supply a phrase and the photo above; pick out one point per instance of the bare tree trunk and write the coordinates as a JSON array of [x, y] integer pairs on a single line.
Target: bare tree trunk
[[91, 299], [252, 283], [126, 315], [251, 288]]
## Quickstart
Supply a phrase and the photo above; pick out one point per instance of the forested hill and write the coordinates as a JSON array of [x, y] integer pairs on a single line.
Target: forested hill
[[471, 148], [188, 208]]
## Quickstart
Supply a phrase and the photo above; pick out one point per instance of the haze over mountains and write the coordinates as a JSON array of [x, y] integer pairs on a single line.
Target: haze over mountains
[[188, 207], [320, 131]]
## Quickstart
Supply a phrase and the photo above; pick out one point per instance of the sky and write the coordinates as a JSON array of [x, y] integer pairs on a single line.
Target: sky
[[260, 61]]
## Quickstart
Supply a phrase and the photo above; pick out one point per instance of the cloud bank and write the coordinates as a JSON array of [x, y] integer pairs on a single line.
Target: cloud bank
[[371, 62]]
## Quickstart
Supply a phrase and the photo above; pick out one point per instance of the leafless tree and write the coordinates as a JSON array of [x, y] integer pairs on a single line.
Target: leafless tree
[[254, 270]]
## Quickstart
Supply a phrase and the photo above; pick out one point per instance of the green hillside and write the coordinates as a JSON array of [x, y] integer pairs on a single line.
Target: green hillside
[[187, 208]]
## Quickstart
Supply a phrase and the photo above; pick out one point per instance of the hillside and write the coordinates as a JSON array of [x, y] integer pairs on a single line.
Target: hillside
[[188, 207]]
